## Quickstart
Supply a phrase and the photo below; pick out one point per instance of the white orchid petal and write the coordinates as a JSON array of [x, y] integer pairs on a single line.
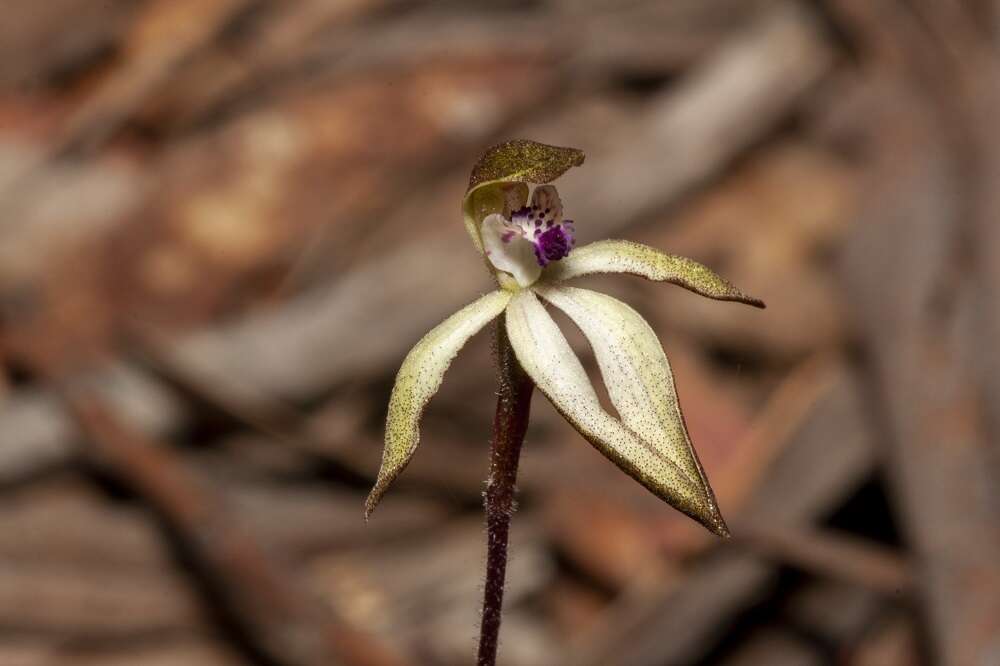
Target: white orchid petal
[[636, 372], [419, 379], [618, 256], [508, 250], [548, 359]]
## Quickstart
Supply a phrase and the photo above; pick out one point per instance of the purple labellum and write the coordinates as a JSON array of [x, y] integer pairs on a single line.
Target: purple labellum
[[554, 243]]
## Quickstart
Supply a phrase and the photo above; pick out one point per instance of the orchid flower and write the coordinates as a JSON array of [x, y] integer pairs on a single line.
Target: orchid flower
[[529, 247]]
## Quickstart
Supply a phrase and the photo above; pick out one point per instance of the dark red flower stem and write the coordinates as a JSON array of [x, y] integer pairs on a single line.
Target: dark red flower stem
[[509, 426]]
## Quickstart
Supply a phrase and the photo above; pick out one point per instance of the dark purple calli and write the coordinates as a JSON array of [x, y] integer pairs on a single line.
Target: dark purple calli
[[554, 243]]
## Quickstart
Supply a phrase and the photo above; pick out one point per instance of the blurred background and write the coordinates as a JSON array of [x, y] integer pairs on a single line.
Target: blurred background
[[223, 223]]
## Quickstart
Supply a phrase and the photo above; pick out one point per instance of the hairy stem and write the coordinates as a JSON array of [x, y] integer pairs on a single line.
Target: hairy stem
[[509, 426]]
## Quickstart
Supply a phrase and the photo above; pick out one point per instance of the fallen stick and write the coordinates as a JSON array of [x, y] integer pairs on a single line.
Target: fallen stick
[[911, 269], [164, 35], [823, 552], [277, 618]]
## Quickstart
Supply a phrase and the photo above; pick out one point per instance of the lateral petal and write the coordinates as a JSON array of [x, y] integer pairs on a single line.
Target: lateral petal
[[548, 359], [419, 378], [619, 256]]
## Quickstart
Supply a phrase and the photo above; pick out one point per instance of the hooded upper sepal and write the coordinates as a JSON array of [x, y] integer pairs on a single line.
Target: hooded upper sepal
[[502, 171], [619, 256], [419, 378], [523, 161], [649, 442]]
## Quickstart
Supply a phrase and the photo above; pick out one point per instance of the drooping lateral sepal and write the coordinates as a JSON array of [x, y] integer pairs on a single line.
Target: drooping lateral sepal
[[619, 256], [640, 384], [636, 443], [419, 378]]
